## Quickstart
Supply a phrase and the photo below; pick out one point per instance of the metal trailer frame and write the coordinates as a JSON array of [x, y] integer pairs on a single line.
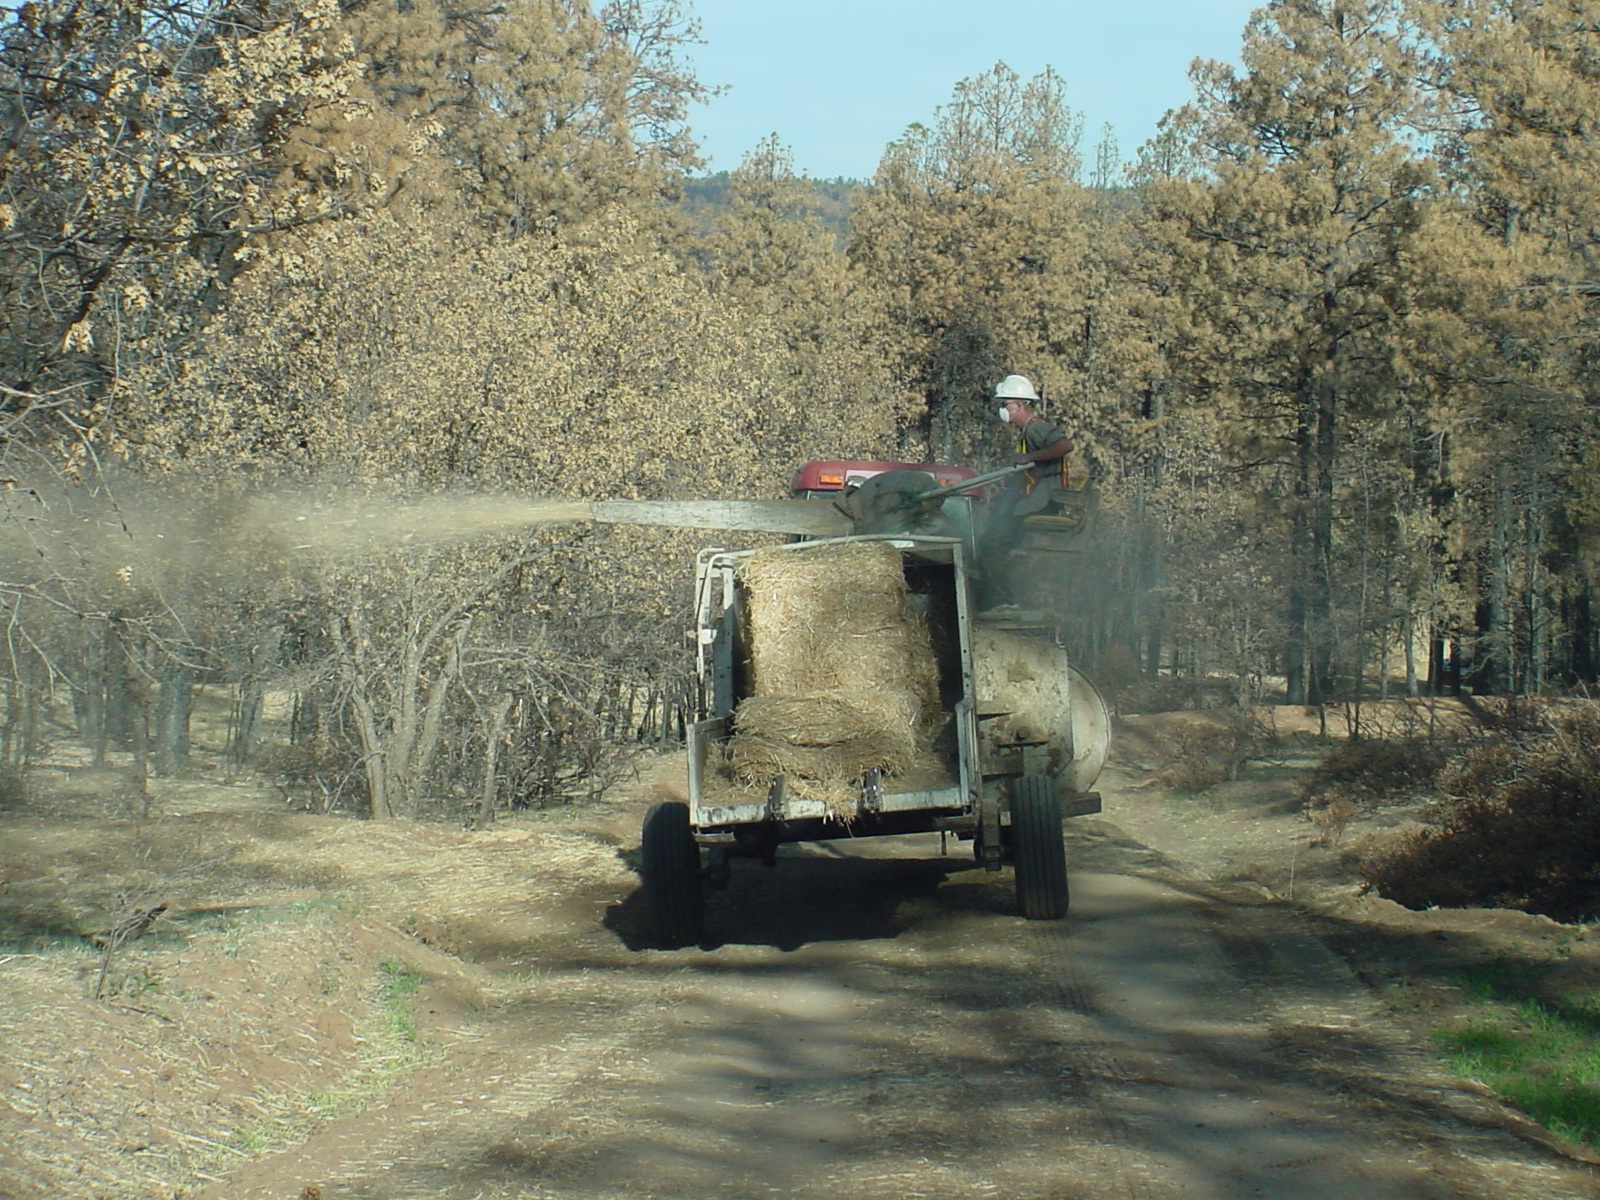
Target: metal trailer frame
[[973, 806]]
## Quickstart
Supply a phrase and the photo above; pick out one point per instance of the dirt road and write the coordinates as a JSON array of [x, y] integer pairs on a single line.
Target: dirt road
[[872, 1020]]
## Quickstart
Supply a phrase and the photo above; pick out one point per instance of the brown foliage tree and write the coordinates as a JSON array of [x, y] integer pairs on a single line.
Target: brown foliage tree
[[142, 145]]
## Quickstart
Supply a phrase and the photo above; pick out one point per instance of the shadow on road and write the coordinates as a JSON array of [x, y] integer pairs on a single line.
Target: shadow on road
[[815, 893]]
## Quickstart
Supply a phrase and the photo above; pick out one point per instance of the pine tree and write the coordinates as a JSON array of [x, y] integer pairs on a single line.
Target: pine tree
[[1291, 259], [1107, 172], [971, 242], [773, 256], [536, 111], [1517, 303]]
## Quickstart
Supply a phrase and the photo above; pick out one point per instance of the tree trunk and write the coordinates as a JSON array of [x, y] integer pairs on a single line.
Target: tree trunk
[[1319, 593], [126, 683], [645, 730], [1294, 655], [309, 717], [1298, 656], [372, 758], [1534, 602], [1489, 674], [117, 680], [246, 720], [1583, 637], [89, 714], [16, 740], [495, 731], [1409, 632], [174, 709]]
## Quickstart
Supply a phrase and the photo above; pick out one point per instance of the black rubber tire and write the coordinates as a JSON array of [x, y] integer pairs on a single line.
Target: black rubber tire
[[1039, 849], [674, 896]]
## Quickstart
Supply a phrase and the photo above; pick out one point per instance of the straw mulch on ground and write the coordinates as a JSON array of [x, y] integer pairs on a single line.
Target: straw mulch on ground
[[844, 676]]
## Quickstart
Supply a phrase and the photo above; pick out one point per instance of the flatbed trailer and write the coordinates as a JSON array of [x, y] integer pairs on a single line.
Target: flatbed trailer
[[1015, 764]]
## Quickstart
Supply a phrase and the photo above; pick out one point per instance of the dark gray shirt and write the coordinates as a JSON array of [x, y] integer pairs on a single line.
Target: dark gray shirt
[[1038, 434]]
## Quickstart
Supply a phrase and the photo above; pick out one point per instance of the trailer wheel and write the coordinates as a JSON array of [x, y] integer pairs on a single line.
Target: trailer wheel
[[1039, 849], [670, 865]]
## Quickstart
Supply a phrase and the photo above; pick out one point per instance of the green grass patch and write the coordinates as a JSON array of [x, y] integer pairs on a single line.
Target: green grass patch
[[401, 982], [1538, 1051]]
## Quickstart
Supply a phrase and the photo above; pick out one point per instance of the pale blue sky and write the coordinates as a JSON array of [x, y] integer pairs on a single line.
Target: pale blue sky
[[837, 80]]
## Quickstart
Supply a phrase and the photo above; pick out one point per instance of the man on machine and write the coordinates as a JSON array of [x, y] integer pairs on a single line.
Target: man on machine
[[1039, 490], [1041, 443]]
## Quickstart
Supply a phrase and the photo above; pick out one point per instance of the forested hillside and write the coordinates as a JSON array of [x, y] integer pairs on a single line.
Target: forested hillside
[[707, 197], [1329, 345]]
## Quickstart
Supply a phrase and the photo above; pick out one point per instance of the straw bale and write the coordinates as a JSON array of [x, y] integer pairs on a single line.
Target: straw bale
[[836, 616], [844, 677], [754, 760], [825, 719]]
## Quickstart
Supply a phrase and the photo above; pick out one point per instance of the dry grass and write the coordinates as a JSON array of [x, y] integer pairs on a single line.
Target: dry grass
[[206, 1039], [264, 999]]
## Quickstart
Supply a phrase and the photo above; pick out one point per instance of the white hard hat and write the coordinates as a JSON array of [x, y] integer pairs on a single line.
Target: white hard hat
[[1015, 387]]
